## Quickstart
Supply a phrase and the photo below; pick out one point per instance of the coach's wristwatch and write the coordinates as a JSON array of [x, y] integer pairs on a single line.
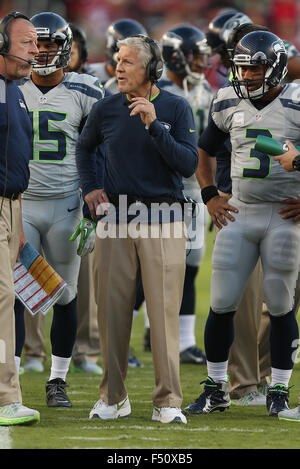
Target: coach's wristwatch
[[296, 163]]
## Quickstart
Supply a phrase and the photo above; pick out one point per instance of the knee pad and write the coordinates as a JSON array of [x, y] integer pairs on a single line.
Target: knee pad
[[226, 285], [281, 266], [278, 294], [68, 295]]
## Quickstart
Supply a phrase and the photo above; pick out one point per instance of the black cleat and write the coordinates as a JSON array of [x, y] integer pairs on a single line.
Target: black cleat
[[193, 355], [56, 395], [215, 397], [277, 399]]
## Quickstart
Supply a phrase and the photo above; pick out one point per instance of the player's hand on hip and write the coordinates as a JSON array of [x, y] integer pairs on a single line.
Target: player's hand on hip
[[286, 159], [97, 198], [291, 209], [144, 108], [220, 211]]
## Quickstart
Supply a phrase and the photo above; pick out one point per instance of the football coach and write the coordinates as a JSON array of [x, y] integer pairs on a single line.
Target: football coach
[[17, 51], [150, 143]]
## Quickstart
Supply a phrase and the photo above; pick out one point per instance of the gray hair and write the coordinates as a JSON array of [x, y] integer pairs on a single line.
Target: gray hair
[[145, 53]]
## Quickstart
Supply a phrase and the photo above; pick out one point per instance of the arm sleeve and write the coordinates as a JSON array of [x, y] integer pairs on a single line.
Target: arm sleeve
[[87, 144], [212, 138], [178, 146]]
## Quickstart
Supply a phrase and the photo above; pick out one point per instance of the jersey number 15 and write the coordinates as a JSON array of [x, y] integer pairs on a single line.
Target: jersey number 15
[[50, 142]]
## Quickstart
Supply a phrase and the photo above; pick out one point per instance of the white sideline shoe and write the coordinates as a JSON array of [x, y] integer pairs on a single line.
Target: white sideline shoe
[[101, 410], [290, 414], [34, 364], [168, 415], [18, 414], [252, 399]]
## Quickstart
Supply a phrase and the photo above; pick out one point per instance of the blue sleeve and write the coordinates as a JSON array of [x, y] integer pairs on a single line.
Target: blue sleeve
[[212, 138], [178, 146], [86, 159]]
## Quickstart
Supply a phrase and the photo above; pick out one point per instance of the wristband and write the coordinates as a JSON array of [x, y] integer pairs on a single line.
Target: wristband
[[296, 163], [208, 193]]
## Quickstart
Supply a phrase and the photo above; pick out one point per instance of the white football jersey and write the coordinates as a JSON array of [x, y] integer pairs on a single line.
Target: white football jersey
[[199, 97], [99, 71], [57, 117], [255, 176]]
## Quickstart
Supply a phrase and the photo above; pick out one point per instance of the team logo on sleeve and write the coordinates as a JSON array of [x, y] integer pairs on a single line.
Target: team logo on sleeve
[[238, 118], [166, 125], [22, 104]]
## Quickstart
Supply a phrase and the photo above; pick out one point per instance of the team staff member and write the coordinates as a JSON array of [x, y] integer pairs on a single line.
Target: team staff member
[[150, 144], [18, 41]]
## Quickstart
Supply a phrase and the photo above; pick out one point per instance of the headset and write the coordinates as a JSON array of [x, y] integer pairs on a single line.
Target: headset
[[154, 68], [4, 36]]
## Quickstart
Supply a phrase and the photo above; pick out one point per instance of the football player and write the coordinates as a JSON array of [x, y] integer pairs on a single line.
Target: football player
[[106, 71], [59, 104], [249, 224], [186, 56]]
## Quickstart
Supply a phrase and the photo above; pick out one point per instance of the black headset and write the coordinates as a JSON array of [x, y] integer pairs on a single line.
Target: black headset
[[4, 36], [154, 68]]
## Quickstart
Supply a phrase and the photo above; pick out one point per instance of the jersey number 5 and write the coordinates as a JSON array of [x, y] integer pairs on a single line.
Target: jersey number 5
[[264, 168], [50, 142]]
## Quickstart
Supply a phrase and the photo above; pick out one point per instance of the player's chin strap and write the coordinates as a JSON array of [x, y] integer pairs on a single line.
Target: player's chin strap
[[193, 79]]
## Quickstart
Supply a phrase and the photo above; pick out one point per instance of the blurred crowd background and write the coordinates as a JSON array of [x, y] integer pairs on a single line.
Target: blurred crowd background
[[158, 16]]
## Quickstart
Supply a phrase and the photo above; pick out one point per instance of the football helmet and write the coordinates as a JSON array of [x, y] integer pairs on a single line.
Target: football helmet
[[80, 38], [180, 46], [52, 27], [259, 48], [118, 30], [220, 28]]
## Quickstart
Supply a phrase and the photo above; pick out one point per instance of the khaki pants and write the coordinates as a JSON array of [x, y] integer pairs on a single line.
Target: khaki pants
[[34, 346], [9, 247], [117, 264], [87, 346]]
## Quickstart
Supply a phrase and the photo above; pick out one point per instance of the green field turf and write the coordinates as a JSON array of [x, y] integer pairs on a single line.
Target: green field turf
[[238, 428]]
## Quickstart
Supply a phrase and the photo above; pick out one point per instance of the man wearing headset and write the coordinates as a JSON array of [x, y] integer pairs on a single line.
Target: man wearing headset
[[150, 144], [17, 50]]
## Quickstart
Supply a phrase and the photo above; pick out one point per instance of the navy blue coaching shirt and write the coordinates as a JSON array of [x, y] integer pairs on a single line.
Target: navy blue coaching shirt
[[139, 162], [14, 160]]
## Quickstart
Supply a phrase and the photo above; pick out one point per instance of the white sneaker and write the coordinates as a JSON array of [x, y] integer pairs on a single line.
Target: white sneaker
[[18, 414], [252, 399], [88, 367], [290, 414], [34, 364], [168, 415], [101, 410]]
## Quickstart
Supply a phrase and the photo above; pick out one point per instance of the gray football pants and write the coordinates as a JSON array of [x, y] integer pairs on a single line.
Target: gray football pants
[[48, 224], [258, 231]]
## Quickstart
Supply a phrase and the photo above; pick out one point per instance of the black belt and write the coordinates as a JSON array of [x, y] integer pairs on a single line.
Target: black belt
[[11, 196], [132, 199]]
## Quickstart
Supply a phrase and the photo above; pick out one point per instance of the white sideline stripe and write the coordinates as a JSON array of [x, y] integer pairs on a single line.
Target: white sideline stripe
[[78, 378], [5, 439], [83, 401], [181, 428], [123, 437], [80, 392]]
